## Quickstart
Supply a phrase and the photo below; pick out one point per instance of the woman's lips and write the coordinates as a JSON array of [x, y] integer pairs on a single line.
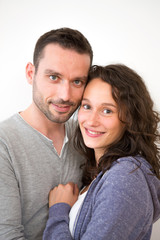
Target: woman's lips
[[92, 133]]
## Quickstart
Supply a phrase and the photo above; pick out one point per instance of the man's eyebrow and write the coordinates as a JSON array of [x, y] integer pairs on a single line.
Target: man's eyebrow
[[52, 72], [83, 78]]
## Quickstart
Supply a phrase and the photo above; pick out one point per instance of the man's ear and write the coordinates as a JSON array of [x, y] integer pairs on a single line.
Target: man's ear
[[30, 71]]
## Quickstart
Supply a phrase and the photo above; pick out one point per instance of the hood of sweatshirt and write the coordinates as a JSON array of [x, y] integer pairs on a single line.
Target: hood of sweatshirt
[[152, 181]]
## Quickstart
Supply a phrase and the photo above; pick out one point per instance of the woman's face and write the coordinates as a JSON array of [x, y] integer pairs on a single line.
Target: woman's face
[[98, 117]]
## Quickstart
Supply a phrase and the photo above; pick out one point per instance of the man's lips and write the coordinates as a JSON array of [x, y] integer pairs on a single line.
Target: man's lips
[[61, 108], [92, 133]]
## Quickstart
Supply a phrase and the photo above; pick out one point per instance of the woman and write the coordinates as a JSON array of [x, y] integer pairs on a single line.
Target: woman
[[117, 134]]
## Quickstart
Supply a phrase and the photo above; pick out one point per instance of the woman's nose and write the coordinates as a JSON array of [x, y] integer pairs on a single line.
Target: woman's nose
[[93, 119]]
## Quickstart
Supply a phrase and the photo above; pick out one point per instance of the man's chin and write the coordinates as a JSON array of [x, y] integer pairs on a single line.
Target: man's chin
[[59, 119]]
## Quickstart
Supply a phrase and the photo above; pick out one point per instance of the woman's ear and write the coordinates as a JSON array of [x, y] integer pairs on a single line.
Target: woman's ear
[[30, 72]]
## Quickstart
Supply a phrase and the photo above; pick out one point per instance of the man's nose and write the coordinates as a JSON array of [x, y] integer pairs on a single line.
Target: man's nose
[[65, 91]]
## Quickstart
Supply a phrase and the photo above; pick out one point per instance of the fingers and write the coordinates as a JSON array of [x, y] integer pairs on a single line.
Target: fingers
[[76, 189], [72, 187], [64, 193]]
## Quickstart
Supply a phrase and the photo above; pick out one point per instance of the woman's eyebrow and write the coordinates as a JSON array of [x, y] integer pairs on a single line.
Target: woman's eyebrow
[[103, 104], [109, 104]]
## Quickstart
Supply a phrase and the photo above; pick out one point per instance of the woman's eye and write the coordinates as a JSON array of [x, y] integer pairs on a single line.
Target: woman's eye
[[86, 106], [106, 111], [53, 77]]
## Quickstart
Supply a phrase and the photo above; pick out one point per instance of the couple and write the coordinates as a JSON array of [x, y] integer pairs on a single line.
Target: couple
[[120, 194]]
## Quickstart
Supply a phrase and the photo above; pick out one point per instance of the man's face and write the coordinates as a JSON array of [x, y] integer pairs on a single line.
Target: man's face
[[59, 82]]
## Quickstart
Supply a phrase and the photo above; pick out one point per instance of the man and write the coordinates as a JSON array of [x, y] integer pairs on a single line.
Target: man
[[36, 151]]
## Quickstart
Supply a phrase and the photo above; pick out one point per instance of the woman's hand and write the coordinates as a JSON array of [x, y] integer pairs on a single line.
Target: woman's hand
[[64, 193]]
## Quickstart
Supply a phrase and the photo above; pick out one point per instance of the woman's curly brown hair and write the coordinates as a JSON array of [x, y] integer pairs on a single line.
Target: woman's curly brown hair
[[135, 108]]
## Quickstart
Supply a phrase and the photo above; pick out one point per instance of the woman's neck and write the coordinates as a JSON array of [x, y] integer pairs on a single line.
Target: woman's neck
[[98, 154]]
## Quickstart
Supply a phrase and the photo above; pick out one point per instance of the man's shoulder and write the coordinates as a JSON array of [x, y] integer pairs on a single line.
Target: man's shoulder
[[9, 121], [10, 125], [6, 121]]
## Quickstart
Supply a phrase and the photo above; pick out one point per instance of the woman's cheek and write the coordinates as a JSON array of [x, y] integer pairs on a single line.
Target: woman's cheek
[[80, 115]]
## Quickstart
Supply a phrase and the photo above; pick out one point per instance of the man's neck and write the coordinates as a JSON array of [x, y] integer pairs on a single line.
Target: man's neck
[[53, 131]]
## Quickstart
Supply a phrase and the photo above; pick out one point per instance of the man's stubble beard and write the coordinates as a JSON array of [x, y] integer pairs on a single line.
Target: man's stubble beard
[[44, 108]]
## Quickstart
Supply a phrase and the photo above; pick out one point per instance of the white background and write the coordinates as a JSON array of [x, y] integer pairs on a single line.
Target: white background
[[120, 31]]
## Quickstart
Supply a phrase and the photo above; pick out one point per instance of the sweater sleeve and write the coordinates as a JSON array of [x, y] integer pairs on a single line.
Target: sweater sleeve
[[122, 208], [57, 226], [10, 204]]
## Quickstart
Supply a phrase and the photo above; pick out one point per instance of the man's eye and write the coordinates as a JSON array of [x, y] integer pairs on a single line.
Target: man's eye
[[78, 82], [53, 77]]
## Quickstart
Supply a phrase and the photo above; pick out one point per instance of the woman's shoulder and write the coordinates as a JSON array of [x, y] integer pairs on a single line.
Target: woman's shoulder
[[128, 169], [131, 163]]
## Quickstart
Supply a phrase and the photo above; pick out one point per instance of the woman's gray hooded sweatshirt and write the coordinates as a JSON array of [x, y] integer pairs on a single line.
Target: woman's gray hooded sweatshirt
[[121, 204]]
